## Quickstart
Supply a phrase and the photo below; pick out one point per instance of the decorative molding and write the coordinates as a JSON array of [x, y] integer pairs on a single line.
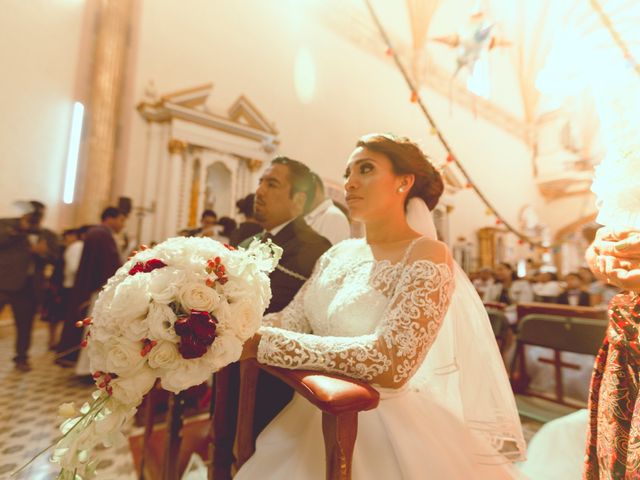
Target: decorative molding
[[254, 164], [243, 109], [189, 97], [244, 120], [176, 146], [189, 133]]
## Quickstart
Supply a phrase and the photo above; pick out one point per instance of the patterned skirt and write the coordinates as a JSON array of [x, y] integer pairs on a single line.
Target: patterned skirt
[[613, 439]]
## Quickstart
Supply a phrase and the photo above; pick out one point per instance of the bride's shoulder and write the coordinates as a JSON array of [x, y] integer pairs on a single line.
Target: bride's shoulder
[[430, 250]]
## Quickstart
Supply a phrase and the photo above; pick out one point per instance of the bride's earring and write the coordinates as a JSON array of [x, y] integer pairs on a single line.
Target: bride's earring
[[401, 189]]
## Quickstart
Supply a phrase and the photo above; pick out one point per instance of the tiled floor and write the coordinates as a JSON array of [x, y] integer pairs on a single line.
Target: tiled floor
[[28, 412]]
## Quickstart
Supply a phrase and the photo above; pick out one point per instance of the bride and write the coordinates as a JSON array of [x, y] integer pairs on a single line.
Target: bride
[[393, 310]]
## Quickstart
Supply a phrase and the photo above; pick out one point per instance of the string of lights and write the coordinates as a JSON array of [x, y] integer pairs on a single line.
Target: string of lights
[[615, 35], [451, 157]]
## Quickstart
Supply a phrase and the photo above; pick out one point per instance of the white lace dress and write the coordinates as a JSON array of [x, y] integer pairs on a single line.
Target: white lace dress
[[374, 321]]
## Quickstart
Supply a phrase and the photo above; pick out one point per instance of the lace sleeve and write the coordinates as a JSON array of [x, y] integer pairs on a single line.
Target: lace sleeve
[[389, 356], [292, 317]]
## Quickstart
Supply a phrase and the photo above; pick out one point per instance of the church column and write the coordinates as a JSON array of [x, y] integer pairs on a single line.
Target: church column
[[154, 163], [177, 151], [110, 49]]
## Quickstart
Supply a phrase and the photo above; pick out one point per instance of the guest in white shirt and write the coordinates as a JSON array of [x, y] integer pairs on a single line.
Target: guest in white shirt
[[483, 281], [547, 288], [508, 288], [325, 218], [72, 255]]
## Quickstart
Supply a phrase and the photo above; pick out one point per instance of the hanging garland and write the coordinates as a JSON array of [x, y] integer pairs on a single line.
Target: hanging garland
[[617, 38], [451, 157]]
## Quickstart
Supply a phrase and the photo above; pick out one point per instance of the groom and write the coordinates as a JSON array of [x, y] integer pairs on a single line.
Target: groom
[[285, 193]]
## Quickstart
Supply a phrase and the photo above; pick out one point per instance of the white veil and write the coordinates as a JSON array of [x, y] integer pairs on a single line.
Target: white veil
[[463, 370]]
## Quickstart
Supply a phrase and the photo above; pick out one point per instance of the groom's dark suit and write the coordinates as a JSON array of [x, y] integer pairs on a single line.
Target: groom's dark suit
[[301, 248]]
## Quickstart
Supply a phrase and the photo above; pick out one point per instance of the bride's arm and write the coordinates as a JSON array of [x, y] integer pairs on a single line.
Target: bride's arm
[[390, 356], [292, 317]]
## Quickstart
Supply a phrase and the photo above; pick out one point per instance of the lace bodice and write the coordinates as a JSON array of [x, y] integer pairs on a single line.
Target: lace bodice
[[367, 319]]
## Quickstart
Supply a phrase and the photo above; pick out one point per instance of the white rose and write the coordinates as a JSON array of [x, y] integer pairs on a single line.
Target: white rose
[[244, 319], [163, 355], [135, 329], [186, 373], [237, 288], [123, 357], [164, 284], [196, 296], [130, 390], [97, 355], [161, 320], [224, 350], [131, 299]]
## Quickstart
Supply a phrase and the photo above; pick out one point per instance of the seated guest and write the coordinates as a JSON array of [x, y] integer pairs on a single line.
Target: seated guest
[[547, 288], [574, 294], [507, 287], [224, 229], [483, 281], [250, 226], [593, 286], [208, 221]]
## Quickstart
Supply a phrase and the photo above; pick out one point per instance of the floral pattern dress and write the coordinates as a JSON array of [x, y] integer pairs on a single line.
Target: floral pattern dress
[[613, 439]]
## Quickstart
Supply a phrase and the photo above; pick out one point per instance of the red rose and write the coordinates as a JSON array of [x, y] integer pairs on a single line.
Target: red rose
[[137, 268], [152, 264], [196, 331], [148, 266], [190, 348]]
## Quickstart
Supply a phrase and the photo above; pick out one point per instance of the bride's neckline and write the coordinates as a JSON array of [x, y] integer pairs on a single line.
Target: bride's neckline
[[385, 261], [395, 242]]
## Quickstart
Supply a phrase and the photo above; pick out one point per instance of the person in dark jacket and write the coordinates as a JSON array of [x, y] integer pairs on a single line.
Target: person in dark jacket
[[100, 260], [25, 249]]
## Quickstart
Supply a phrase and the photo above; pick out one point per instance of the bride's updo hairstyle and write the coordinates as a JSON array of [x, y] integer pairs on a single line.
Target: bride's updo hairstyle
[[407, 159]]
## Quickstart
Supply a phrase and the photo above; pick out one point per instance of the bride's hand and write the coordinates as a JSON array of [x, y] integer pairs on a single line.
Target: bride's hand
[[250, 347]]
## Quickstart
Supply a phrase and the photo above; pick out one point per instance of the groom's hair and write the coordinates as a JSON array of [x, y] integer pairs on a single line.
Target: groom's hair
[[300, 178]]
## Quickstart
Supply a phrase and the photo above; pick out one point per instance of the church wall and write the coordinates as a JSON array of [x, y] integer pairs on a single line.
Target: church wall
[[39, 52], [248, 47]]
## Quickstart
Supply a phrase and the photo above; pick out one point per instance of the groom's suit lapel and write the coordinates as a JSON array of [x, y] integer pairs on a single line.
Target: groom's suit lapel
[[301, 248]]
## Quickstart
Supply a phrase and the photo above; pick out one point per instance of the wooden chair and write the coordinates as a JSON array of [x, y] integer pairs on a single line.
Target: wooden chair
[[339, 398], [158, 455], [499, 325], [561, 329]]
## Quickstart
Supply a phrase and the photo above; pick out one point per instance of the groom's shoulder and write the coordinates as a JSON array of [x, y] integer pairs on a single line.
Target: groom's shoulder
[[306, 235]]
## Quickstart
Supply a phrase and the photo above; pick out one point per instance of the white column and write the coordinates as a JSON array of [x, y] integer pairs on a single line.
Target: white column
[[162, 187], [152, 171], [189, 163], [174, 186]]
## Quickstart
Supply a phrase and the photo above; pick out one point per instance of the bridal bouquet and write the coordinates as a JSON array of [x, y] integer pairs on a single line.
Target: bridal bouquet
[[177, 312]]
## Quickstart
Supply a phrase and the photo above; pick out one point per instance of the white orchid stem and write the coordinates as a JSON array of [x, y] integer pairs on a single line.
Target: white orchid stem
[[94, 409]]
